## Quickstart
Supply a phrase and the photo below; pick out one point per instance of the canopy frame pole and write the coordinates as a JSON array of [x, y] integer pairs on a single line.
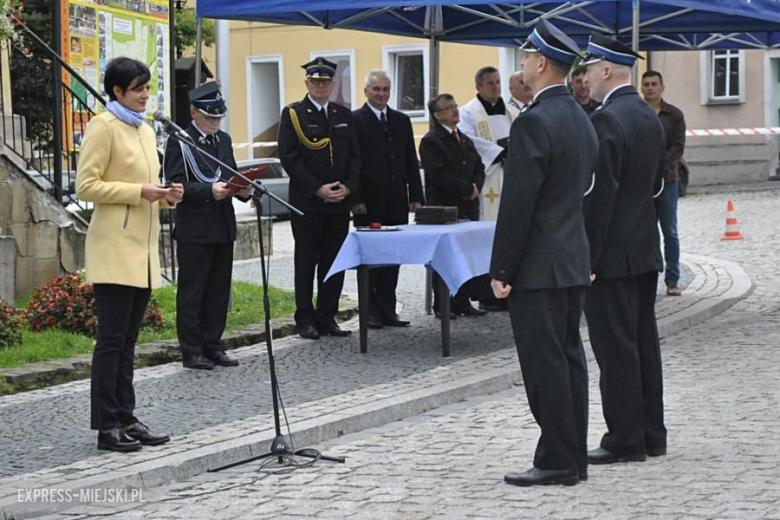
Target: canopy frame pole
[[198, 49], [635, 39], [434, 53]]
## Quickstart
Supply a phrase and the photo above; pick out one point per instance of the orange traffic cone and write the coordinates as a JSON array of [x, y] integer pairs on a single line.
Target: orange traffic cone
[[732, 230]]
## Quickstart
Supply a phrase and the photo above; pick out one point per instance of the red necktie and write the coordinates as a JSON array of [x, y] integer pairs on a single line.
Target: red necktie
[[456, 136]]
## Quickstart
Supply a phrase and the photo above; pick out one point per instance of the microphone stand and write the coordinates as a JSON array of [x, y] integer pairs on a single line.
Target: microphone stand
[[279, 446]]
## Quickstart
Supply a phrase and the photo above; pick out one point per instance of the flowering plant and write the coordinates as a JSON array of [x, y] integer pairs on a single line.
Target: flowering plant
[[67, 303], [10, 18], [10, 326]]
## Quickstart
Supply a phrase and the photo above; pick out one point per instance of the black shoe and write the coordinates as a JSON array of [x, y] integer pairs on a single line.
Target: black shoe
[[373, 322], [144, 435], [223, 360], [334, 330], [583, 474], [117, 440], [395, 321], [437, 314], [602, 456], [468, 310], [197, 363], [656, 452], [544, 477], [308, 332]]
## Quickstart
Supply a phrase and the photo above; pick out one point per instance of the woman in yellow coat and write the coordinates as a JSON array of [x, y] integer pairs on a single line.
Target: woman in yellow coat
[[119, 171]]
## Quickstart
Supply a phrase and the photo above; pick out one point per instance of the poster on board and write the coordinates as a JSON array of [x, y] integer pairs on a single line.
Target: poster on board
[[95, 31]]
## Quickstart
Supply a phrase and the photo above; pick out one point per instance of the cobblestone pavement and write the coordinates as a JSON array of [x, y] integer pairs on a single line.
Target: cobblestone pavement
[[450, 462], [722, 415]]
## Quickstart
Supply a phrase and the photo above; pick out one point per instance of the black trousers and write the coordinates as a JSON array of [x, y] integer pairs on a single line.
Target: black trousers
[[202, 296], [382, 283], [120, 310], [318, 239], [546, 326], [624, 338]]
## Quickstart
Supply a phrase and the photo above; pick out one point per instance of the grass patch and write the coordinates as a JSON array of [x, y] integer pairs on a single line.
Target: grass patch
[[247, 308], [44, 346]]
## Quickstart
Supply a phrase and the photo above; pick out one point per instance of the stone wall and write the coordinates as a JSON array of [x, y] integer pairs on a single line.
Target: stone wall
[[246, 246], [49, 239]]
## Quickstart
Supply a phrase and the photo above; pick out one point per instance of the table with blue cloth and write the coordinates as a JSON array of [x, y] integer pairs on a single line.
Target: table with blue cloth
[[454, 252]]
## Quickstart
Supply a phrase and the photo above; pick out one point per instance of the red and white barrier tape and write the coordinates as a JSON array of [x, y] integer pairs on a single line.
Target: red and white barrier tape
[[710, 132], [720, 132]]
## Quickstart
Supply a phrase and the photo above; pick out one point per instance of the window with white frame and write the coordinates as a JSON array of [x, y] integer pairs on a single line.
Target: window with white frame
[[344, 88], [725, 76], [408, 67]]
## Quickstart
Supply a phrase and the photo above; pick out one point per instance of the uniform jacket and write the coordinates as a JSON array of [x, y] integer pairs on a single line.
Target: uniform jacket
[[116, 160], [199, 217], [450, 170], [540, 240], [390, 172], [619, 212], [673, 122], [310, 169]]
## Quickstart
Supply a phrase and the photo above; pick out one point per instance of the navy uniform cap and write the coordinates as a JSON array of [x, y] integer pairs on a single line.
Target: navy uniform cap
[[208, 99], [601, 47], [319, 67], [552, 42]]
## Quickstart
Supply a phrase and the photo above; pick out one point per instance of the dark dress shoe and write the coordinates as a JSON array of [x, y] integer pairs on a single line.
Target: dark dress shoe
[[197, 363], [544, 477], [308, 332], [656, 452], [145, 436], [374, 323], [334, 330], [602, 456], [223, 360], [437, 314], [117, 440], [583, 474], [395, 321], [468, 310]]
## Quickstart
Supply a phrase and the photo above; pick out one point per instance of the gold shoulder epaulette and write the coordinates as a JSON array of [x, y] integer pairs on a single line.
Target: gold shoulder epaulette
[[305, 140]]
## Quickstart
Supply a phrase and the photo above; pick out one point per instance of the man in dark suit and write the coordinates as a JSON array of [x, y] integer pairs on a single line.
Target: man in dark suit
[[541, 258], [389, 187], [205, 229], [625, 258], [454, 176], [318, 148]]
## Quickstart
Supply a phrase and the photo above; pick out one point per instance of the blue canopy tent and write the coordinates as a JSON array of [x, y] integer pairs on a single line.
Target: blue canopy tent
[[646, 25], [654, 24]]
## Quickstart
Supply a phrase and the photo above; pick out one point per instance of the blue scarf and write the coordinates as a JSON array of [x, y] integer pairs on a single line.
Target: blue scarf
[[125, 114]]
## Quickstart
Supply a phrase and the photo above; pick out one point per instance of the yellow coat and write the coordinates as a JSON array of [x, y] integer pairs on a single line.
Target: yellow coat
[[116, 160]]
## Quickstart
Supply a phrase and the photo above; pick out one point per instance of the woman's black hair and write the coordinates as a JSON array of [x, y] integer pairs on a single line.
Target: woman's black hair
[[121, 72]]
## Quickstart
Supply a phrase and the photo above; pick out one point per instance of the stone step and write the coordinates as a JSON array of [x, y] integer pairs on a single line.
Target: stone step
[[717, 152], [708, 172]]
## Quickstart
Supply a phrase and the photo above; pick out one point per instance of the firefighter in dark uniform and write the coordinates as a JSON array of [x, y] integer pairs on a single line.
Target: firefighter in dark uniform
[[318, 147], [625, 257], [541, 258], [205, 229]]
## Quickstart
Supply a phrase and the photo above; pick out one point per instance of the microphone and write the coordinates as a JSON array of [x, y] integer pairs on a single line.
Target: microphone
[[173, 129], [169, 125]]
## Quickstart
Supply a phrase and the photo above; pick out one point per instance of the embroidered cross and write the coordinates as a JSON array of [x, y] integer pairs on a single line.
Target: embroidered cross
[[492, 195]]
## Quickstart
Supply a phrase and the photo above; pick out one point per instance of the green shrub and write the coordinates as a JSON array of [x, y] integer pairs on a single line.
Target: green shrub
[[67, 303], [10, 326]]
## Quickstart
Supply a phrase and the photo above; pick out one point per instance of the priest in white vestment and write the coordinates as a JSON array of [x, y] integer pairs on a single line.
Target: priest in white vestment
[[486, 120]]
